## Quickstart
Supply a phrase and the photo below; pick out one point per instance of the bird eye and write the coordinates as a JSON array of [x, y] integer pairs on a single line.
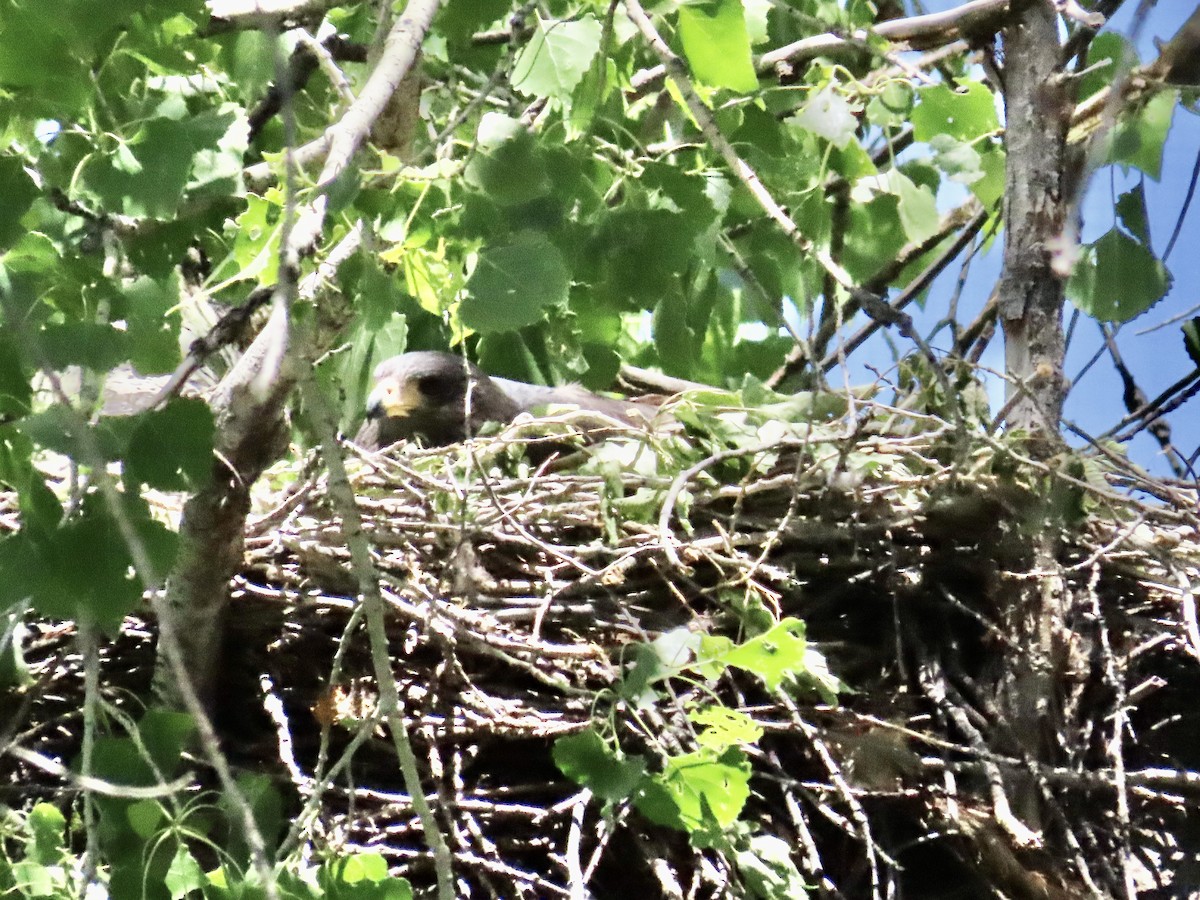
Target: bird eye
[[436, 388], [428, 385]]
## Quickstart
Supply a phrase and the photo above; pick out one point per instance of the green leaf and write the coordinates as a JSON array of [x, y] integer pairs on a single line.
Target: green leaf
[[828, 115], [380, 296], [767, 868], [893, 105], [145, 817], [255, 250], [146, 177], [17, 193], [97, 346], [673, 339], [513, 284], [165, 734], [660, 242], [916, 206], [717, 45], [918, 209], [724, 728], [15, 390], [1117, 278], [267, 805], [362, 876], [507, 164], [557, 57], [37, 880], [1191, 340], [184, 874], [41, 62], [697, 788], [1108, 55], [99, 584], [772, 656], [171, 448], [874, 233], [362, 867], [587, 759], [60, 429], [1138, 139], [153, 324], [958, 160], [990, 188], [46, 825], [1131, 210], [459, 19], [966, 113]]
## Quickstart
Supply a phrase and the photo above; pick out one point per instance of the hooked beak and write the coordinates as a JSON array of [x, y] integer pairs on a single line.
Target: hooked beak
[[389, 400], [375, 404]]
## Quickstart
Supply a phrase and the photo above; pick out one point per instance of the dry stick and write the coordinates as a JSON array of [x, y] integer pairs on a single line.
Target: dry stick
[[1116, 743], [400, 51], [1135, 399], [575, 877], [341, 140], [933, 682], [976, 16], [922, 281], [858, 815], [672, 496], [1170, 399], [968, 217], [342, 496], [164, 790]]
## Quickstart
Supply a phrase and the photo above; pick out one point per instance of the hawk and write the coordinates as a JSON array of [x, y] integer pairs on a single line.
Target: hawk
[[424, 394]]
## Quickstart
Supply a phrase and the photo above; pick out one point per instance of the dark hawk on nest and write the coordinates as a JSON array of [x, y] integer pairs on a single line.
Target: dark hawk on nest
[[424, 394]]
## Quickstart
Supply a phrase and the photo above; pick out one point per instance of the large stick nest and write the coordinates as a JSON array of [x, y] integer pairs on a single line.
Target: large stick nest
[[523, 600]]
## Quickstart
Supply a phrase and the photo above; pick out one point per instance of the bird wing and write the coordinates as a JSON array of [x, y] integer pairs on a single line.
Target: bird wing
[[530, 397]]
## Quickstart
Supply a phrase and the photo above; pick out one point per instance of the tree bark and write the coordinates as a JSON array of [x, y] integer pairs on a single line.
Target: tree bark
[[251, 400], [1031, 293], [1037, 114]]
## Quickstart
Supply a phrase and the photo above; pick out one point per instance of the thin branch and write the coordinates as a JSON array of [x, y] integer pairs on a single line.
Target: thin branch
[[342, 495], [742, 170]]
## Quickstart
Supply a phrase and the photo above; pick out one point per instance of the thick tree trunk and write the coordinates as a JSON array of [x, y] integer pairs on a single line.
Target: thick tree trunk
[[1037, 105], [1031, 291]]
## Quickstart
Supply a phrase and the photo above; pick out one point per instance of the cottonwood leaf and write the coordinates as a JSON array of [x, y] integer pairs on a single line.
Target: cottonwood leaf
[[557, 57]]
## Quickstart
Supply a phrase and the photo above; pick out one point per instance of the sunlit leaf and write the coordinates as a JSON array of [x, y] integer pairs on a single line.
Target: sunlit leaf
[[828, 115], [185, 875], [717, 45], [556, 57], [697, 787], [964, 113], [724, 727], [46, 825]]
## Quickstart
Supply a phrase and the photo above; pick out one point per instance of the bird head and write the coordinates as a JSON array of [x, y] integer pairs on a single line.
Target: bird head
[[423, 394], [414, 382]]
